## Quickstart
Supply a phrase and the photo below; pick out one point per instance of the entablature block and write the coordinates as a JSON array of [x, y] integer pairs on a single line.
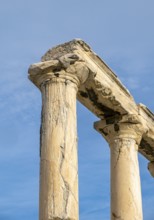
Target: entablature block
[[99, 88]]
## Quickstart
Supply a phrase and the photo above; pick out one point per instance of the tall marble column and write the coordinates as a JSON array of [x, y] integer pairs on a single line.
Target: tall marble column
[[58, 145], [124, 138]]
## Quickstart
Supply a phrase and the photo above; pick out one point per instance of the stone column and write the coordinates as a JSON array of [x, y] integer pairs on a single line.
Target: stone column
[[58, 145], [124, 138]]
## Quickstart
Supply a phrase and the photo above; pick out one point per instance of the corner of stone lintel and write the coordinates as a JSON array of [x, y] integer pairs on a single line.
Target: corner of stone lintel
[[99, 125], [85, 46], [37, 68], [147, 111], [122, 120], [151, 168]]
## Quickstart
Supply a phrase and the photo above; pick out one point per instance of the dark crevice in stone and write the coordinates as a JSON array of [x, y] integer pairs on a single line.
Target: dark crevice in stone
[[41, 131], [103, 132], [83, 94], [40, 138], [114, 119], [94, 99], [66, 83], [57, 68], [56, 74], [146, 148], [116, 127]]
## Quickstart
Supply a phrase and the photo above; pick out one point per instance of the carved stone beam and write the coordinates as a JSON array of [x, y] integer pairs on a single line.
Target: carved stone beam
[[124, 137], [103, 93], [146, 147], [58, 81]]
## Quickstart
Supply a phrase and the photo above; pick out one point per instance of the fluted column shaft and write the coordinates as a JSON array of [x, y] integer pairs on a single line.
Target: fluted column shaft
[[125, 180], [59, 80], [59, 163], [124, 136]]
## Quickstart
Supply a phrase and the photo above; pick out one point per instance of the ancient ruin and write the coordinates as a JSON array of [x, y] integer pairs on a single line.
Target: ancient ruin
[[69, 71]]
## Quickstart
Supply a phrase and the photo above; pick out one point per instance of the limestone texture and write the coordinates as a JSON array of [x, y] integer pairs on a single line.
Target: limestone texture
[[58, 151], [73, 71], [124, 138]]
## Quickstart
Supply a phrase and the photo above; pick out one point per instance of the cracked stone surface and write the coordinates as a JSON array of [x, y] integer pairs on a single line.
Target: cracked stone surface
[[125, 181], [100, 90], [69, 71], [59, 165], [124, 138]]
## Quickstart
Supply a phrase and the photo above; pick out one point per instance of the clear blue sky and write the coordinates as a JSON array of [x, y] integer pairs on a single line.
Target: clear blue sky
[[122, 33]]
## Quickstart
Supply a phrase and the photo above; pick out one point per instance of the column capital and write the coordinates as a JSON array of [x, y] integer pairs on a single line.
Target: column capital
[[67, 67], [121, 127]]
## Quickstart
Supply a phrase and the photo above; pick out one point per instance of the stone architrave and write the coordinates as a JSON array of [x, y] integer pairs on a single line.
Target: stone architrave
[[69, 71]]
